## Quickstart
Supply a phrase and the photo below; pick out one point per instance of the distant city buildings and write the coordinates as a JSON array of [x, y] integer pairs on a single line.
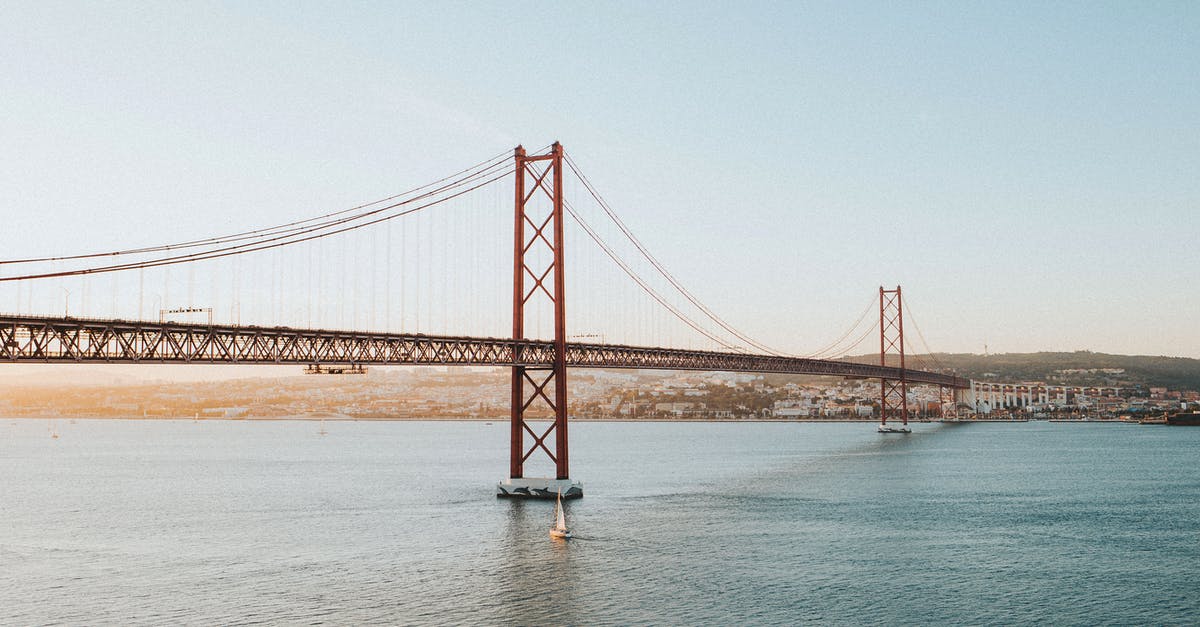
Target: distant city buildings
[[416, 393]]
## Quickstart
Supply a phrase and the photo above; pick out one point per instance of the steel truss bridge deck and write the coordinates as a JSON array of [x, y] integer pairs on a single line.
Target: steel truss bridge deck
[[35, 339]]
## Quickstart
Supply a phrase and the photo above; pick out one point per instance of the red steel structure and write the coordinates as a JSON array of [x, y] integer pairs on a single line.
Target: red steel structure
[[538, 281], [50, 339], [893, 399], [533, 233]]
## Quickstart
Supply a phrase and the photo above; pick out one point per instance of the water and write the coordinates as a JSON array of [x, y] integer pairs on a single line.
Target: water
[[134, 522]]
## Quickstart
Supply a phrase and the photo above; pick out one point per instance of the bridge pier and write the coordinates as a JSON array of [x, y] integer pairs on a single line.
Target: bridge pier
[[545, 235]]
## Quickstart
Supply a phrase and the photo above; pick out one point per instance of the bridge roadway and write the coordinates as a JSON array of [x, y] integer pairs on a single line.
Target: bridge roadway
[[37, 339]]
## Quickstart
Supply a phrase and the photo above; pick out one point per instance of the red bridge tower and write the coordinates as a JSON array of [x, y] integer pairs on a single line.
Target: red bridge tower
[[538, 276], [893, 401]]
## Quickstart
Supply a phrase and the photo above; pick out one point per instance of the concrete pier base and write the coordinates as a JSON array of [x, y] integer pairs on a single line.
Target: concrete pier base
[[537, 488]]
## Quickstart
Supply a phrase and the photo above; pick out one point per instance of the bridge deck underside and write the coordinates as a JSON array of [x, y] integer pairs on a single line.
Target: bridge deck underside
[[28, 339]]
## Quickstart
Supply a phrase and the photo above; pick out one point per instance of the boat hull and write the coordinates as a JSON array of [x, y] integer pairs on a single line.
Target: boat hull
[[1184, 420]]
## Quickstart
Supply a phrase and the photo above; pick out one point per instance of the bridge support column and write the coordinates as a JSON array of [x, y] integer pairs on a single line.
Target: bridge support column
[[893, 398], [966, 397], [947, 397], [538, 254]]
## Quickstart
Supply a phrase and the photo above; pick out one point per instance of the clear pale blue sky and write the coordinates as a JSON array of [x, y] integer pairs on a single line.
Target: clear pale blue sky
[[1030, 172]]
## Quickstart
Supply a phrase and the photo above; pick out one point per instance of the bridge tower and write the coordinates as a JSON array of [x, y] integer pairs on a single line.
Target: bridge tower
[[536, 237], [893, 400]]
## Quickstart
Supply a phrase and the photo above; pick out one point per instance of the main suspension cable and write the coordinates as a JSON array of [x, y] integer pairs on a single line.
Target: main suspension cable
[[642, 283], [299, 225], [928, 351], [862, 338], [660, 268], [283, 240], [832, 347]]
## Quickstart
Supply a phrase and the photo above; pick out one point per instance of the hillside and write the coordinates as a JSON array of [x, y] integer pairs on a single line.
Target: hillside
[[1078, 368]]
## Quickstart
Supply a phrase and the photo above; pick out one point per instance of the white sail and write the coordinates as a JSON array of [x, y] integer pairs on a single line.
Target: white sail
[[559, 530]]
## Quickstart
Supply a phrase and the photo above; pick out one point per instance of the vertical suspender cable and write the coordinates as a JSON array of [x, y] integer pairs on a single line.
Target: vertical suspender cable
[[403, 273], [387, 280], [373, 288], [419, 284]]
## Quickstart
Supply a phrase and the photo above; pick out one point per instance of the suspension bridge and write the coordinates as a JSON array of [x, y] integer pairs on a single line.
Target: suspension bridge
[[311, 308]]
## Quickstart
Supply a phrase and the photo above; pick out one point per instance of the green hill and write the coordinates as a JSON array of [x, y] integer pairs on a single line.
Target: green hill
[[1078, 368]]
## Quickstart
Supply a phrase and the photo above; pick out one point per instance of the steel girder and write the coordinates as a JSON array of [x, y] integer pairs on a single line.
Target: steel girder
[[34, 339]]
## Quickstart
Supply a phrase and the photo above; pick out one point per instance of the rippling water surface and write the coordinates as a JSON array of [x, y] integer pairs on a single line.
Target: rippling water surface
[[124, 522]]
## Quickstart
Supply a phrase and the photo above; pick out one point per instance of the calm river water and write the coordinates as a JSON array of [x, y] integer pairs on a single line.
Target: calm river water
[[136, 522]]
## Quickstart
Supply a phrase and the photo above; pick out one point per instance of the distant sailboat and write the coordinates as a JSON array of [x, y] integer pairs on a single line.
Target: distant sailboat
[[559, 530], [322, 430], [53, 431]]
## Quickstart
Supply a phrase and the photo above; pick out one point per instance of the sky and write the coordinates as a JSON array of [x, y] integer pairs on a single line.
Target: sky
[[1028, 172]]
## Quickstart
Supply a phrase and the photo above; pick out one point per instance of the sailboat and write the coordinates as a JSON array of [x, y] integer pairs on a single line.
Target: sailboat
[[559, 530], [322, 430], [53, 431]]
